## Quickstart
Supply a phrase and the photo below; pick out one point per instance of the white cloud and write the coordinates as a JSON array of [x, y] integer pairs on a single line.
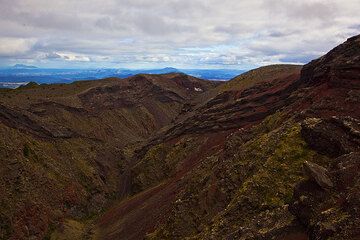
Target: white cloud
[[73, 57], [188, 33], [10, 47]]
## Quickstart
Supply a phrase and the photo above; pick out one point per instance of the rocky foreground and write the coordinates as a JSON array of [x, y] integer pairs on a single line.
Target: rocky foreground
[[271, 154]]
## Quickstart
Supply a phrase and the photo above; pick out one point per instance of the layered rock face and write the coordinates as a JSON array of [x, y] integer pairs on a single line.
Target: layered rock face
[[333, 213], [330, 208], [334, 81], [338, 68]]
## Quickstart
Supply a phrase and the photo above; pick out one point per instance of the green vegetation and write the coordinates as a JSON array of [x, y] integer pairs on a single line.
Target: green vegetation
[[256, 76], [26, 151], [272, 185], [257, 176], [161, 161], [71, 230]]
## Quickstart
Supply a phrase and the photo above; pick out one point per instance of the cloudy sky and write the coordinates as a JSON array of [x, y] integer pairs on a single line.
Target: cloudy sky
[[239, 34]]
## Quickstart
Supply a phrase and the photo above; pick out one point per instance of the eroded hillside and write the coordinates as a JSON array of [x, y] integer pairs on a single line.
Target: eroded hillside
[[63, 148], [271, 154], [265, 156]]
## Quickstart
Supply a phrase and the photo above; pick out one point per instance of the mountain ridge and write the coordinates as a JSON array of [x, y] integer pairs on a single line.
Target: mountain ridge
[[22, 66], [50, 75], [71, 141], [271, 154], [234, 183]]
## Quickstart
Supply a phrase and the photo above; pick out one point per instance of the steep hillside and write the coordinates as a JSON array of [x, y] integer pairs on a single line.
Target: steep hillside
[[182, 160], [64, 148], [270, 155]]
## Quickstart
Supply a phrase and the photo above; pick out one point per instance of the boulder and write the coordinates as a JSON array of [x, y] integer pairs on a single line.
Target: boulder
[[332, 214], [317, 173]]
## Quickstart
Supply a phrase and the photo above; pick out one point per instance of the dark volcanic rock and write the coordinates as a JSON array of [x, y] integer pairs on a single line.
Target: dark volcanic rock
[[318, 174], [246, 106], [329, 86], [334, 213], [23, 121], [334, 136], [339, 68], [332, 82]]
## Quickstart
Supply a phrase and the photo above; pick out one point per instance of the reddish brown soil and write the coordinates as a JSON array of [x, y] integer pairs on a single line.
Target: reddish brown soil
[[134, 217]]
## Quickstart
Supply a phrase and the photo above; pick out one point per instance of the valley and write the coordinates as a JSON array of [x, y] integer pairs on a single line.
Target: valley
[[270, 154]]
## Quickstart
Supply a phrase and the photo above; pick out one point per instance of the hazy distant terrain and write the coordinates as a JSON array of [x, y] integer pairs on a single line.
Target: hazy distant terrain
[[19, 74]]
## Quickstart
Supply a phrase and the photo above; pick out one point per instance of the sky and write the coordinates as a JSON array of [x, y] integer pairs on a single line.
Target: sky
[[236, 34]]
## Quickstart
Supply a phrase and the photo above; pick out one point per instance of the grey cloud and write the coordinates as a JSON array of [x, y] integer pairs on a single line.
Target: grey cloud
[[52, 55], [304, 10], [196, 32], [300, 58], [156, 25], [355, 27], [234, 28], [280, 33], [105, 23]]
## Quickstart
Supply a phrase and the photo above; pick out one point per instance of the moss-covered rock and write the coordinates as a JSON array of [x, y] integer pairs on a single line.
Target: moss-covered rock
[[254, 175], [161, 161]]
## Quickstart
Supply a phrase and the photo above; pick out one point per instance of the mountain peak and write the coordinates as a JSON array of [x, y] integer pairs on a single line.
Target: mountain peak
[[23, 66], [354, 38], [338, 67], [171, 69]]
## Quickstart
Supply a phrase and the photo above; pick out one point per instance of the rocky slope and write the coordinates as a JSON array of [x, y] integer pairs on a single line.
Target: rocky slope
[[63, 148], [270, 155]]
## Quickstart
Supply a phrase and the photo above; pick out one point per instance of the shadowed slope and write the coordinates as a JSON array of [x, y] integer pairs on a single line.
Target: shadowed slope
[[63, 147], [163, 168]]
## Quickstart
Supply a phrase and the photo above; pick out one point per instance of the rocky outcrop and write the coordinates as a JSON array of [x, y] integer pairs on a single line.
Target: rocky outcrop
[[331, 214], [318, 174], [340, 68], [327, 202], [332, 136], [329, 86], [236, 108], [25, 122]]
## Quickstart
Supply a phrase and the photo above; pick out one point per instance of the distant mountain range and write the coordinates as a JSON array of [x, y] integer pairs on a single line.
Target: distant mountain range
[[19, 74], [22, 66]]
